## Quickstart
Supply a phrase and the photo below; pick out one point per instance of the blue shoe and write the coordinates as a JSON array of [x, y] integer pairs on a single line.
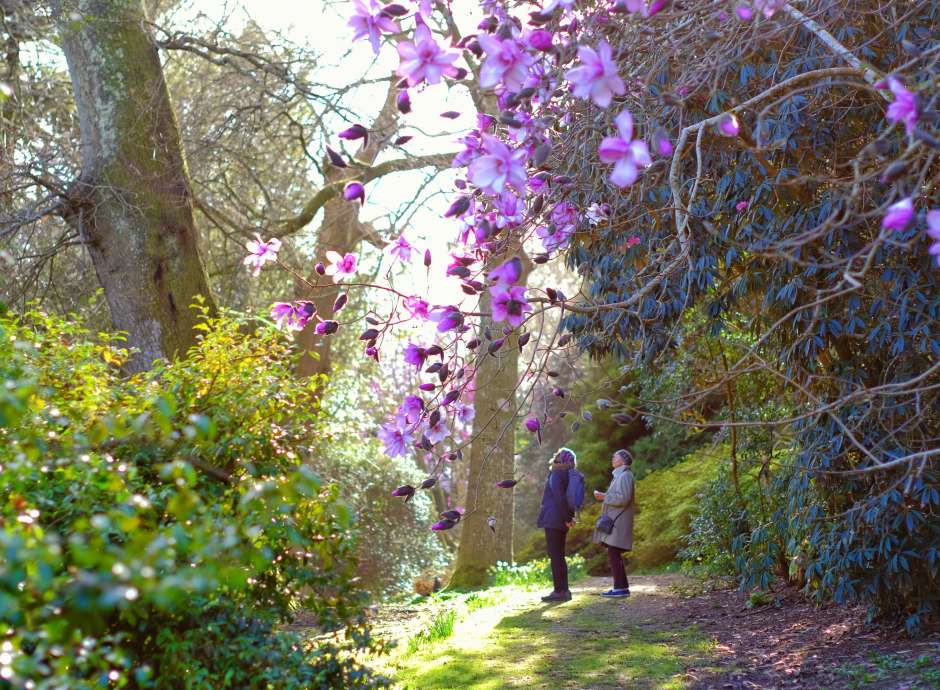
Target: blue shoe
[[616, 593]]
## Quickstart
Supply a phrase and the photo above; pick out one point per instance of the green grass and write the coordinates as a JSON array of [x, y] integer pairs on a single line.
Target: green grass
[[442, 627], [518, 642], [922, 673]]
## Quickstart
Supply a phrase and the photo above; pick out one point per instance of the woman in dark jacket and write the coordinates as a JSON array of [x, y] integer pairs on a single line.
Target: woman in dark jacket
[[557, 518]]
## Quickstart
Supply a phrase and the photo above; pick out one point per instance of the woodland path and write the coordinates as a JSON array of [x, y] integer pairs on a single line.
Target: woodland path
[[661, 637]]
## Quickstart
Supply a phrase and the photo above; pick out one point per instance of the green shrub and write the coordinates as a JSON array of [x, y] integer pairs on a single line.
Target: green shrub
[[535, 572], [157, 529]]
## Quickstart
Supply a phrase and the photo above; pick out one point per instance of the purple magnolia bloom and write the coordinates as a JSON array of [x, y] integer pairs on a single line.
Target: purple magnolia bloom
[[438, 431], [357, 131], [403, 101], [745, 14], [507, 274], [904, 107], [464, 413], [663, 143], [899, 215], [627, 155], [260, 252], [447, 318], [511, 211], [415, 355], [729, 125], [597, 213], [370, 21], [769, 7], [327, 327], [553, 237], [397, 443], [354, 190], [417, 307], [506, 63], [292, 317], [532, 424], [444, 524], [340, 265], [510, 305], [507, 483], [499, 167], [565, 214], [400, 249], [933, 232], [596, 77], [425, 60], [741, 206], [410, 410], [540, 39]]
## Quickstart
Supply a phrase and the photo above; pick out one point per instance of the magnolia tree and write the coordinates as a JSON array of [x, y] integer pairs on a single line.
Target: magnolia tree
[[683, 156]]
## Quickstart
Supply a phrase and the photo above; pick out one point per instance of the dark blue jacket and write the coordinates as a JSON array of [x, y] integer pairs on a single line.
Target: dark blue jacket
[[554, 512]]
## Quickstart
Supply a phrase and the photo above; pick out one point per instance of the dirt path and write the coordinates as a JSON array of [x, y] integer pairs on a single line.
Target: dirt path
[[660, 639]]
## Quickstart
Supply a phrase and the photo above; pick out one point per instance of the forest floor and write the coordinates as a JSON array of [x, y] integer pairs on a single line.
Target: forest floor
[[667, 635]]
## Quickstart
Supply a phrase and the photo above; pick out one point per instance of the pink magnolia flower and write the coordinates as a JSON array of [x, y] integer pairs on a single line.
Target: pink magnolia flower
[[899, 215], [769, 7], [447, 318], [340, 265], [416, 355], [508, 273], [292, 317], [397, 441], [425, 60], [744, 12], [417, 307], [510, 305], [633, 241], [438, 431], [464, 413], [663, 143], [400, 249], [511, 211], [741, 206], [540, 39], [729, 125], [640, 7], [499, 167], [554, 237], [596, 77], [904, 107], [260, 252], [627, 155], [370, 21], [933, 232], [409, 412], [506, 64], [597, 213]]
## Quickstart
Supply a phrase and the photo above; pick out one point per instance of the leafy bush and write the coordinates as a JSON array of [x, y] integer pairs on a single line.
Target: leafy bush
[[535, 572], [158, 529]]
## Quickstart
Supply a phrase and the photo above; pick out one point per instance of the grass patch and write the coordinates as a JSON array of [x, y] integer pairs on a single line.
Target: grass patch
[[441, 627], [922, 673], [518, 642], [533, 573]]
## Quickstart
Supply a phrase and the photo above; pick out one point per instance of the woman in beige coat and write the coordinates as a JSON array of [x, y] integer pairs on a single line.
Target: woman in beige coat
[[619, 505]]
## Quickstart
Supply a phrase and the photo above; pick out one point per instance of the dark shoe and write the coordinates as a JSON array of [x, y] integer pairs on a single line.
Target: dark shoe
[[557, 596], [616, 593]]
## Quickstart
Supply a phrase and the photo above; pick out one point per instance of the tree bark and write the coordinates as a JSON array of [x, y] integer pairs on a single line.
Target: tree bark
[[492, 456], [133, 202], [340, 231]]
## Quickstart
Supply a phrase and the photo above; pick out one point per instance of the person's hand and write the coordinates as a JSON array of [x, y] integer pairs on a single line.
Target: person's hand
[[599, 495], [569, 524]]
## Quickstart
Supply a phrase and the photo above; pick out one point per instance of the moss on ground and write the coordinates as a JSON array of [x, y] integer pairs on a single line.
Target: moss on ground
[[590, 642]]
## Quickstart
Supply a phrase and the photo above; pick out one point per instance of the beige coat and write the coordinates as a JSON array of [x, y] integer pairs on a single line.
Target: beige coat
[[619, 497]]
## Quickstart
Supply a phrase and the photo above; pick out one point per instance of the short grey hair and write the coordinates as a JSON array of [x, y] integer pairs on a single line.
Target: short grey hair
[[565, 456], [624, 455]]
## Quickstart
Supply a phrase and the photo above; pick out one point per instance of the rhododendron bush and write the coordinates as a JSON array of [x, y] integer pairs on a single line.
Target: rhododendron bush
[[761, 169]]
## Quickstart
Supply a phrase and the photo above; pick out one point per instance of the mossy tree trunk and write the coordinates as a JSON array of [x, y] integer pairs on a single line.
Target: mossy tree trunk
[[492, 456], [132, 203]]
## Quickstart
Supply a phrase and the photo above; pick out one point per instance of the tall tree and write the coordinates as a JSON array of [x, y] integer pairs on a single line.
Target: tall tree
[[132, 203]]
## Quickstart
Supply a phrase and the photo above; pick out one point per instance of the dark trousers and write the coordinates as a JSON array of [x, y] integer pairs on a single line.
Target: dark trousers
[[555, 545], [615, 558]]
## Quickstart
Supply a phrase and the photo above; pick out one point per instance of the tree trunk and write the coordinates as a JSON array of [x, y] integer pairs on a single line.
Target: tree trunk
[[492, 455], [341, 231], [132, 204]]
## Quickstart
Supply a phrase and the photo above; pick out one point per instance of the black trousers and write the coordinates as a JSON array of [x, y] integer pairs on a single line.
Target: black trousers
[[615, 558], [555, 545]]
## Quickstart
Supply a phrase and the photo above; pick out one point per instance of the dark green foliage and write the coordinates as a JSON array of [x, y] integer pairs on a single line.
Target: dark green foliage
[[843, 373], [157, 529]]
